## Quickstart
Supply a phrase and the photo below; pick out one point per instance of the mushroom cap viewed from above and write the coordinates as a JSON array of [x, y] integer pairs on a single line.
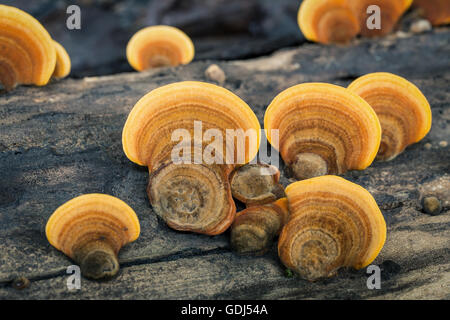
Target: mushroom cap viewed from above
[[27, 52], [159, 46], [147, 134], [327, 21], [323, 129], [91, 229], [403, 110], [332, 223]]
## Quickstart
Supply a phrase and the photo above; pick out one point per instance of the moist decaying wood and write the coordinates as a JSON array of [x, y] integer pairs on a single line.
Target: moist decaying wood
[[64, 139]]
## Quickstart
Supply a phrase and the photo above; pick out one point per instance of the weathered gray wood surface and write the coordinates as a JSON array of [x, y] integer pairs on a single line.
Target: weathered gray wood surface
[[63, 140]]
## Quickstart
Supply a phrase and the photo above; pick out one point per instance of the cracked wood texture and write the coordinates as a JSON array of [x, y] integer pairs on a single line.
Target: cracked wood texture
[[63, 140]]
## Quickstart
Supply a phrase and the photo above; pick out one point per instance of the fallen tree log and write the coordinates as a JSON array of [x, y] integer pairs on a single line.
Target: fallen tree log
[[62, 140]]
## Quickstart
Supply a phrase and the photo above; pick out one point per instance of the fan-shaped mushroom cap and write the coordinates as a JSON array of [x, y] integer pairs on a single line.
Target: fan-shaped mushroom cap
[[327, 21], [391, 11], [404, 112], [147, 134], [323, 129], [333, 223], [63, 63], [91, 229], [158, 46], [27, 52]]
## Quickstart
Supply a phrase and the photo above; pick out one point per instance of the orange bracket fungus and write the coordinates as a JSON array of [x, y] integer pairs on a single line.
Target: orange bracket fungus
[[255, 184], [333, 223], [254, 228], [198, 120], [27, 52], [436, 11], [327, 21], [91, 229], [323, 129], [403, 111], [63, 63], [159, 46], [390, 12]]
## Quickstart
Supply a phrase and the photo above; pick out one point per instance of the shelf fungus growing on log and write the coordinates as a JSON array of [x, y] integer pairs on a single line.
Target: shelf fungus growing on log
[[191, 135], [159, 46], [27, 52], [327, 21], [436, 11], [63, 63], [255, 184], [91, 229], [323, 129], [333, 223], [403, 111], [390, 13], [254, 228]]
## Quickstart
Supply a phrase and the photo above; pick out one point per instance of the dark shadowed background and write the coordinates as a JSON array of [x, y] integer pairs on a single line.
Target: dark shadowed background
[[220, 29]]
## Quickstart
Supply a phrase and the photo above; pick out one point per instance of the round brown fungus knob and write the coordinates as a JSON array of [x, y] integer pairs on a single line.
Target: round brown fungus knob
[[254, 228], [255, 184]]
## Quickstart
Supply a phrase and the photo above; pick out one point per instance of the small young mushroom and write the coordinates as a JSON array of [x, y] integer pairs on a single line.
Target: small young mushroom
[[390, 12], [255, 184], [63, 63], [436, 11], [159, 46], [27, 52], [327, 21], [254, 228], [333, 223], [323, 129], [404, 112], [191, 192], [91, 229]]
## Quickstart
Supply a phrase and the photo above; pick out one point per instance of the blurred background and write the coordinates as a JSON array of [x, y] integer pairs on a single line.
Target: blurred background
[[220, 29]]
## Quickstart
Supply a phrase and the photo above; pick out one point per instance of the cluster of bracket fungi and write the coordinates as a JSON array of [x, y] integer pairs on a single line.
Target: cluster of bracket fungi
[[339, 21], [323, 221]]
